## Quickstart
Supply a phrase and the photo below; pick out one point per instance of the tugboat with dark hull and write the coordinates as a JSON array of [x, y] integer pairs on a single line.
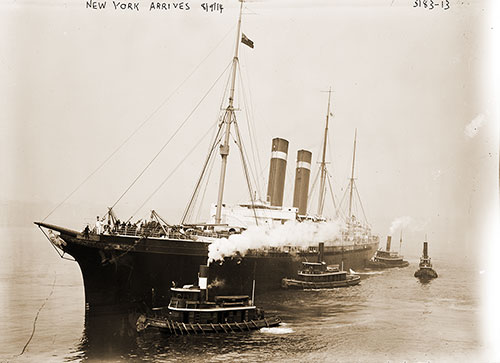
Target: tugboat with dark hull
[[126, 265], [318, 275], [425, 271], [387, 258], [190, 311]]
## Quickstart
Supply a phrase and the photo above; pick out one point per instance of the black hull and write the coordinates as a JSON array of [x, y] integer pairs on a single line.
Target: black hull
[[304, 285], [167, 326], [383, 265], [426, 274], [131, 272]]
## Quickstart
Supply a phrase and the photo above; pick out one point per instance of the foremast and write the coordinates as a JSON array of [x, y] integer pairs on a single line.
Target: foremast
[[227, 120]]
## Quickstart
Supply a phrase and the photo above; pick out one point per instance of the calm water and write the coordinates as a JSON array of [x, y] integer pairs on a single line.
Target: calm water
[[390, 316]]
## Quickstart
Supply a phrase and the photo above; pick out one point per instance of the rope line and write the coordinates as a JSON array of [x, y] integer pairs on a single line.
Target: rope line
[[140, 126], [173, 171], [170, 139], [36, 317]]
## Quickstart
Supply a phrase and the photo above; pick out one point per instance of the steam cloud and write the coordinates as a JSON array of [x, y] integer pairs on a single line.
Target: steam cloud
[[400, 222], [296, 234]]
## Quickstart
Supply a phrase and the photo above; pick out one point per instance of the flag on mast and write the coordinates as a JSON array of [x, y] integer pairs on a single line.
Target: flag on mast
[[246, 41]]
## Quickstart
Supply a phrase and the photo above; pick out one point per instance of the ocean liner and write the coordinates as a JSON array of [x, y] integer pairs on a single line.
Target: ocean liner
[[126, 265]]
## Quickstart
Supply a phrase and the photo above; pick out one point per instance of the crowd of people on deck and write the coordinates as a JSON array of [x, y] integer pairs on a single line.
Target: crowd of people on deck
[[151, 228], [114, 227]]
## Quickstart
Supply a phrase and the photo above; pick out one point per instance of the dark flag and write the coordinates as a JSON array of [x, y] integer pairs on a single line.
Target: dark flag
[[246, 41]]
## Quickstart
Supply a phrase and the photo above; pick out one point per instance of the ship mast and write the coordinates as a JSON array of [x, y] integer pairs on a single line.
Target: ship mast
[[351, 184], [400, 241], [228, 119], [321, 202]]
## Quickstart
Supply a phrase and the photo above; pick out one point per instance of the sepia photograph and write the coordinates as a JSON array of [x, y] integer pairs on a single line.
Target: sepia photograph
[[249, 181]]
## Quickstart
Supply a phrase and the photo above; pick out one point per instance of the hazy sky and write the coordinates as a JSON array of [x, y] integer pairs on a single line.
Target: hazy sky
[[415, 82]]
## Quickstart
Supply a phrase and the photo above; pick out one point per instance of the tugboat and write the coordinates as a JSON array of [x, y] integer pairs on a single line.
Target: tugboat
[[317, 275], [387, 258], [425, 271], [191, 312]]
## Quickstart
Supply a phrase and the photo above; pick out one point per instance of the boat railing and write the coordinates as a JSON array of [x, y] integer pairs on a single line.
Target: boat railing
[[158, 231]]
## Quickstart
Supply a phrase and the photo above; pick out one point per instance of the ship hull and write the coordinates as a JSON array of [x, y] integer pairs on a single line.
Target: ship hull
[[176, 328], [131, 272], [386, 264], [426, 274], [303, 285]]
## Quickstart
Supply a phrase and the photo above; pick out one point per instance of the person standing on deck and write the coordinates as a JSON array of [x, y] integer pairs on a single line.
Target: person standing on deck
[[98, 226]]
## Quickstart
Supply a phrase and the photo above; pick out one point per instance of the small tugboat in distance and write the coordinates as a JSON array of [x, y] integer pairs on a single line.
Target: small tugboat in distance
[[387, 258], [191, 312], [317, 275], [425, 271]]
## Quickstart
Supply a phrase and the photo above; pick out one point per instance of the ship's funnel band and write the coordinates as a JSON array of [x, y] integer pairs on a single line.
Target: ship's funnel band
[[304, 165], [278, 155], [302, 174], [277, 172]]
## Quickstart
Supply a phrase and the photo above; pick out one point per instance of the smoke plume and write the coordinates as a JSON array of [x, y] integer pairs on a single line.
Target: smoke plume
[[296, 234], [400, 222]]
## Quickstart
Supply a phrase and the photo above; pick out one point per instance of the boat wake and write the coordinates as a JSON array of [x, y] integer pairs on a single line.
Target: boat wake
[[282, 329], [351, 271]]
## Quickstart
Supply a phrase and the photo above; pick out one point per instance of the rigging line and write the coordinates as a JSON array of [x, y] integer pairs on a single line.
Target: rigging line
[[313, 185], [342, 200], [360, 202], [243, 161], [140, 126], [188, 212], [252, 129], [331, 190], [206, 180], [210, 169], [193, 198], [253, 145], [38, 313], [173, 171], [171, 137], [244, 155]]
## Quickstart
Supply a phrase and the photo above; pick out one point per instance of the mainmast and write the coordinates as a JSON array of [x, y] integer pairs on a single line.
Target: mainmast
[[321, 202], [352, 176], [228, 119]]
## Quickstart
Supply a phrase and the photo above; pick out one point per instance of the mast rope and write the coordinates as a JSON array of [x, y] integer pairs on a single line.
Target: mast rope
[[101, 165], [189, 210], [329, 177], [38, 313], [171, 137], [192, 200], [253, 142], [360, 203], [173, 171], [245, 169], [342, 203], [210, 169]]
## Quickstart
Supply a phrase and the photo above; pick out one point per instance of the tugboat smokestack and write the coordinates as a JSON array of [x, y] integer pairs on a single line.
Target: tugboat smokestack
[[388, 245], [302, 174], [202, 282], [321, 251], [425, 250], [277, 172]]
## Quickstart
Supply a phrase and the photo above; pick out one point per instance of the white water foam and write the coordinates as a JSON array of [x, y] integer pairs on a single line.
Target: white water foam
[[277, 330], [365, 273]]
